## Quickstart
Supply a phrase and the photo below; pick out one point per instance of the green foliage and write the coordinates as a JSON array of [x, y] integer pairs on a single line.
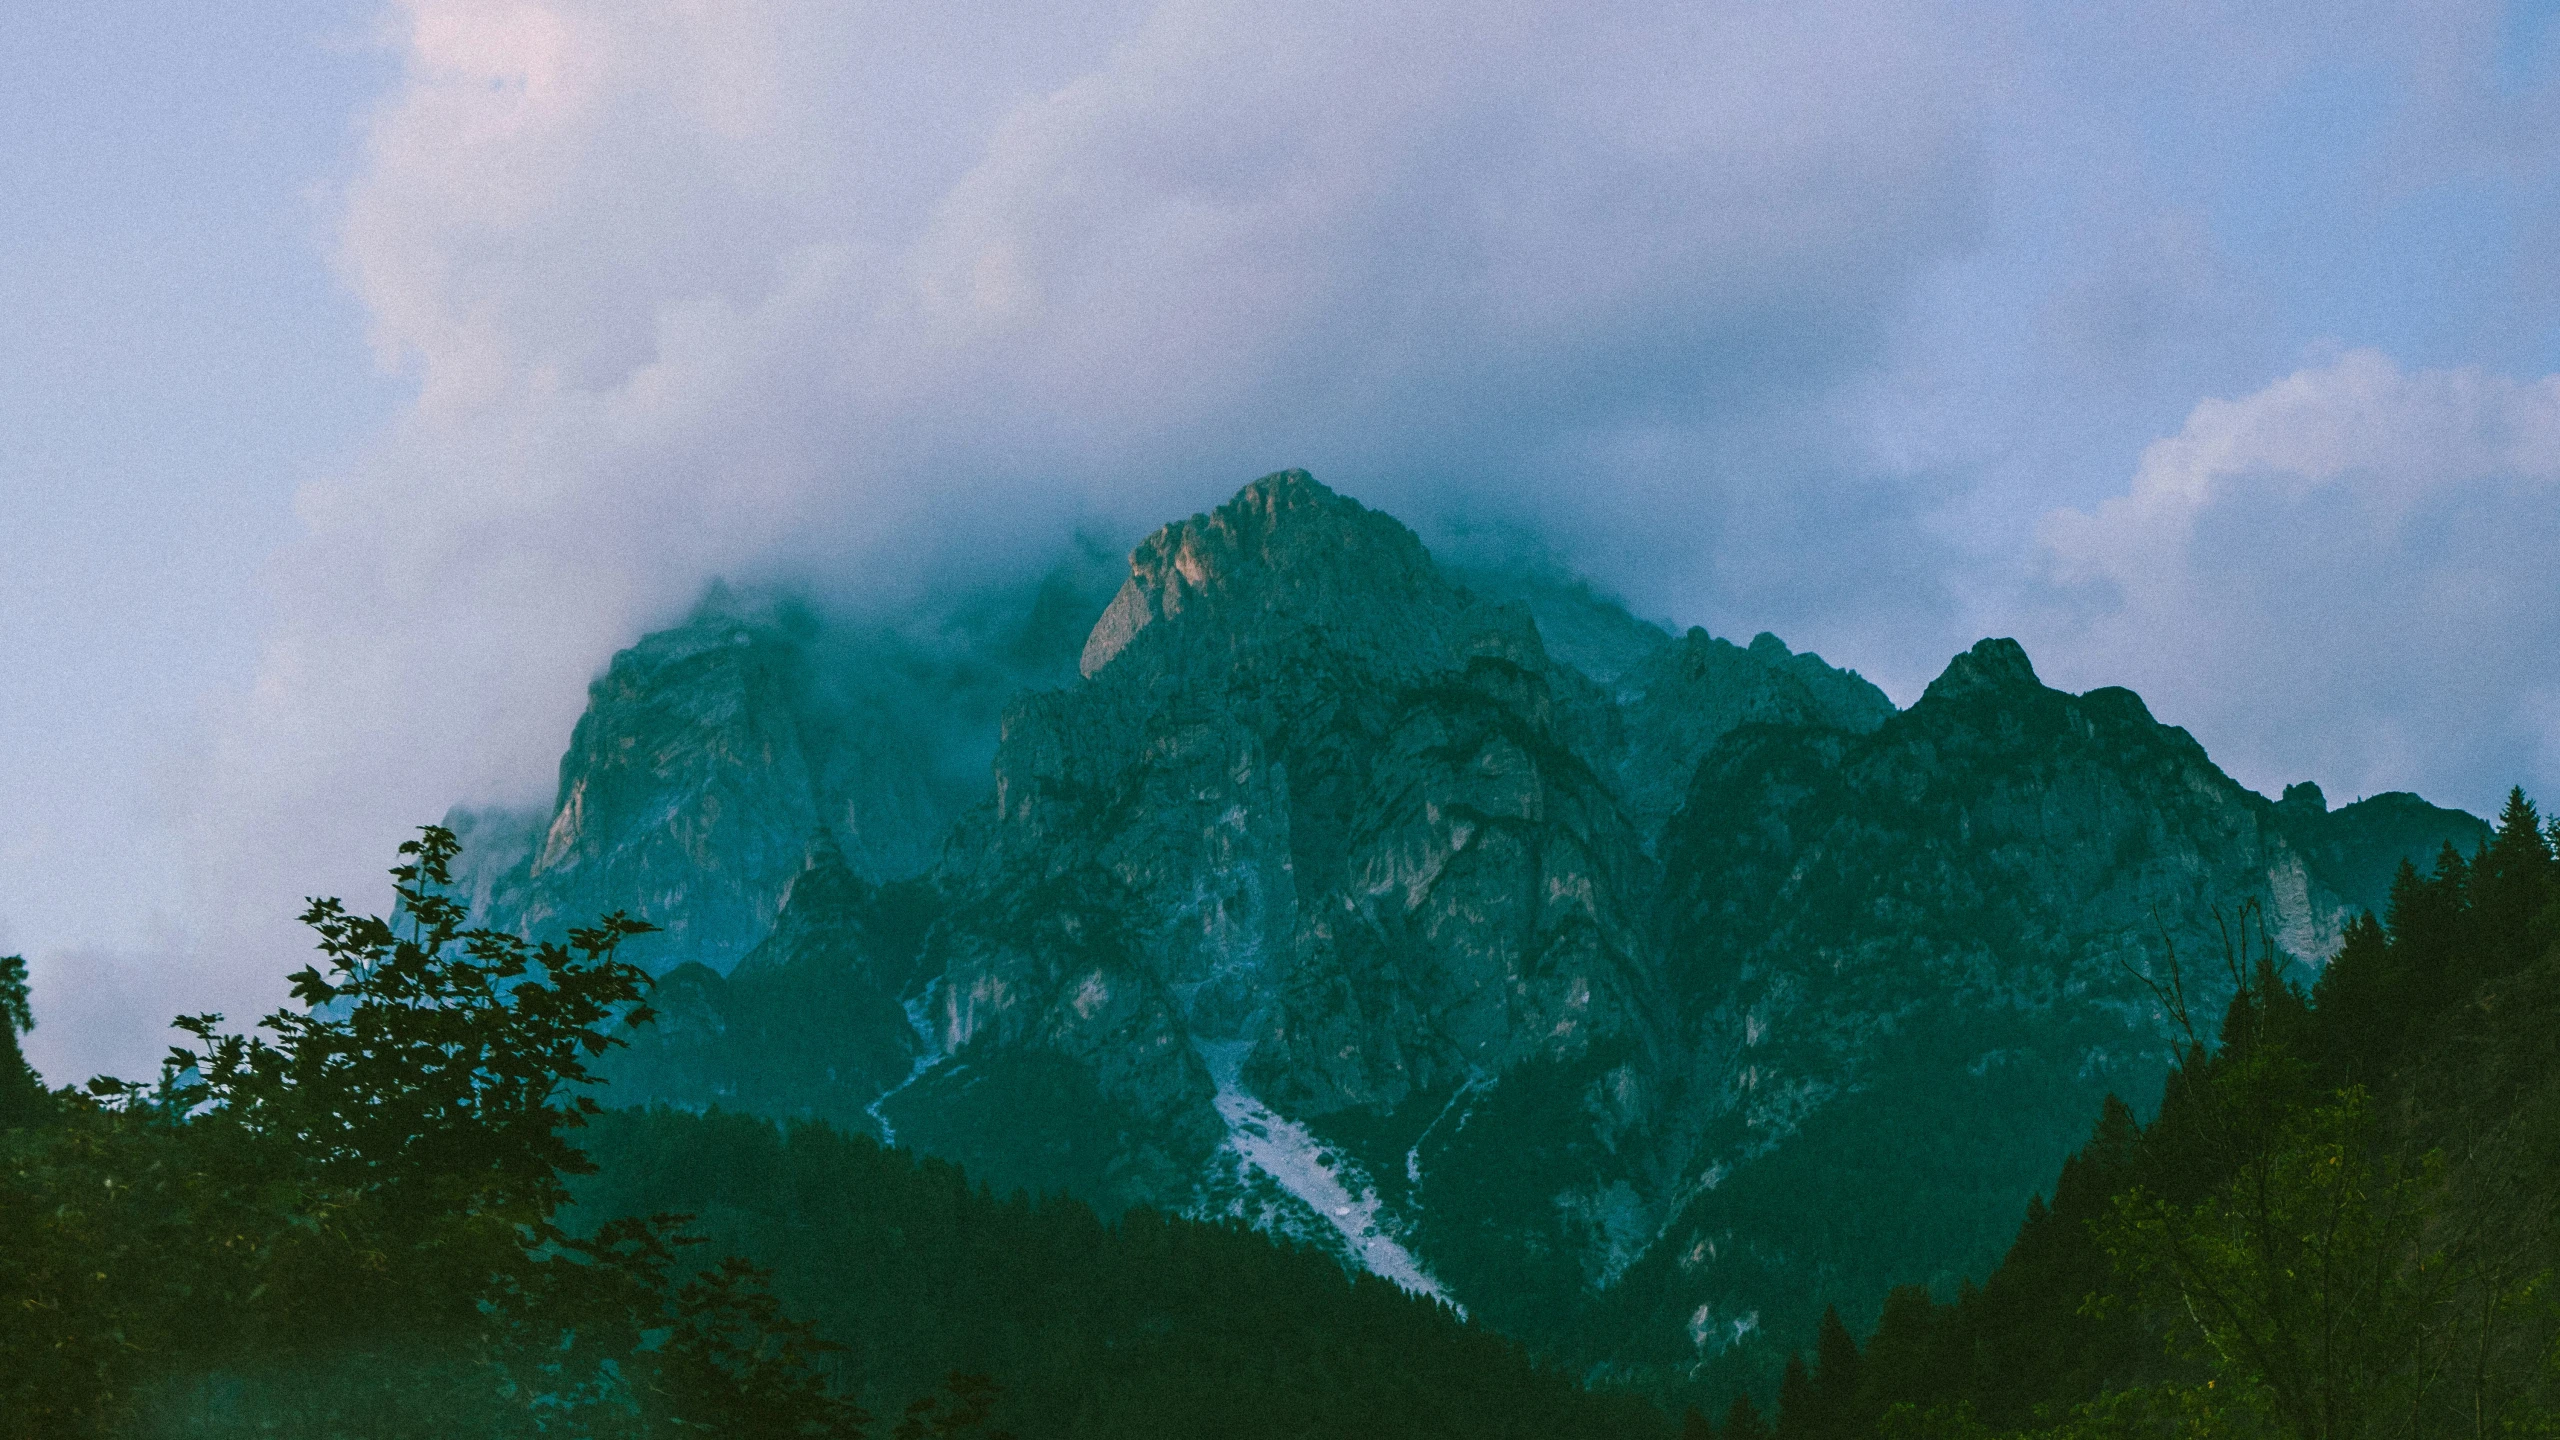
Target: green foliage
[[1144, 1325], [15, 1017], [1742, 1421], [2340, 1224], [2306, 1283], [21, 1093], [347, 1228]]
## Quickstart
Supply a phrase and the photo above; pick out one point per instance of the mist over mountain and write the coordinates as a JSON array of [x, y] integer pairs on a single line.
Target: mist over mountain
[[1596, 978]]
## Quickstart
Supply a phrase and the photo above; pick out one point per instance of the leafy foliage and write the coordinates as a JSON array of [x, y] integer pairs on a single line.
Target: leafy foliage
[[347, 1228], [1145, 1325]]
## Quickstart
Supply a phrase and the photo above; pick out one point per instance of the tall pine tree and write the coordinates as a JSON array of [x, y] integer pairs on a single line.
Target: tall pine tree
[[22, 1097], [1835, 1379], [2511, 884]]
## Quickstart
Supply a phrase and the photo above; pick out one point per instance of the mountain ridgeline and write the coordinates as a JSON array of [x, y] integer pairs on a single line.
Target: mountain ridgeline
[[1642, 994]]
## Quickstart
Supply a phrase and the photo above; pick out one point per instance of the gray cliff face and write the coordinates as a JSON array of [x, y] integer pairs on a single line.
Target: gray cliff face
[[810, 1023], [710, 756], [1642, 992], [1684, 697], [688, 795]]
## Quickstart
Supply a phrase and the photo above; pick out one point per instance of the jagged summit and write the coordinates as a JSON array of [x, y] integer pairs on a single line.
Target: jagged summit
[[1285, 547], [1992, 665], [826, 886]]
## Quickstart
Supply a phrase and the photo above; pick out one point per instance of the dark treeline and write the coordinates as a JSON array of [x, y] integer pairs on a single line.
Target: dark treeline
[[405, 1214], [345, 1227], [1145, 1326], [2340, 1223], [358, 1224]]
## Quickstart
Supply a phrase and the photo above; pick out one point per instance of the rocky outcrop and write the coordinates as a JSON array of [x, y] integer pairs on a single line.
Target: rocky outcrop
[[2355, 849], [688, 794], [1683, 698], [710, 754], [812, 1022]]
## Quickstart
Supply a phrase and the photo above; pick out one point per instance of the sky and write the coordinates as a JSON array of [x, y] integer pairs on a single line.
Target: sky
[[373, 371]]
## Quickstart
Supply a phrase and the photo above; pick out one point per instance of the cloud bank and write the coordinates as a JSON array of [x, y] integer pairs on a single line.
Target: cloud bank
[[859, 295], [2352, 574]]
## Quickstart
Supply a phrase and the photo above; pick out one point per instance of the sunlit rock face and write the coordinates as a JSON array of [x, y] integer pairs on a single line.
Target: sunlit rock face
[[688, 794], [1641, 992]]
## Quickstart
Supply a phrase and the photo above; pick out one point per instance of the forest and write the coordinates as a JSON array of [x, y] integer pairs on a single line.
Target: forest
[[2338, 1224], [405, 1210]]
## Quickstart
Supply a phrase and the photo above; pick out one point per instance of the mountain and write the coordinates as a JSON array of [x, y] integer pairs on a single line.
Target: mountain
[[1596, 978], [1311, 840], [711, 753]]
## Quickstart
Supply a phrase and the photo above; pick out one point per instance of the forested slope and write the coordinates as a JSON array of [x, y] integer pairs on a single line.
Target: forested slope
[[357, 1224], [2340, 1224], [1147, 1326]]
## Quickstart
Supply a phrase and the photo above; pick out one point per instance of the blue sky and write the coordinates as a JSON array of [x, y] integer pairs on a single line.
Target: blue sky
[[374, 370]]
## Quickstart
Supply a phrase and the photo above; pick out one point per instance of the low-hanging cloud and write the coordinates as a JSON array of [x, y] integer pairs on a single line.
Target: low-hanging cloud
[[2346, 576], [866, 295]]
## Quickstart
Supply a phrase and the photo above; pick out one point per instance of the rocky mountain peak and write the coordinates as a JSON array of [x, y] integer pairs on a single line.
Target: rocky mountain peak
[[1285, 546], [826, 879], [1992, 666]]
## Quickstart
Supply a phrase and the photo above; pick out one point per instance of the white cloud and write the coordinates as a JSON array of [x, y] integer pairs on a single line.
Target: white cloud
[[107, 1012], [2352, 575], [865, 292]]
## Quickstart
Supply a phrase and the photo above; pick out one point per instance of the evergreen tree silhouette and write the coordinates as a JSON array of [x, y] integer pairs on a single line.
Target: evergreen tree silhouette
[[1799, 1411], [1835, 1378], [1742, 1421], [22, 1097]]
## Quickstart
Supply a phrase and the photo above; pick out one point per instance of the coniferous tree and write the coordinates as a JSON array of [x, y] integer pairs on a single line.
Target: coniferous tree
[[2360, 1006], [1743, 1421], [1834, 1388], [22, 1097], [1904, 1362], [2426, 923], [2511, 883], [1799, 1411]]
